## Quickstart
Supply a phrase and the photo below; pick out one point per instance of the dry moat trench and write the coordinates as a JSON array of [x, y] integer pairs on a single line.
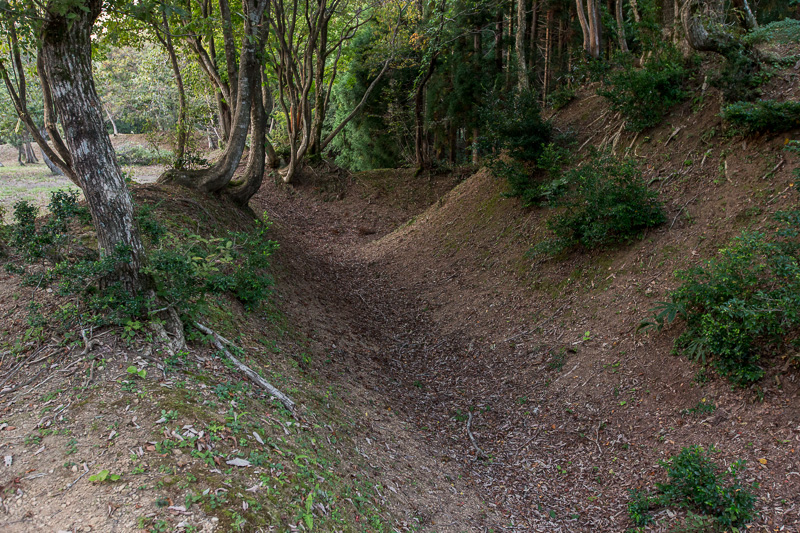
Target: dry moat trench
[[538, 394]]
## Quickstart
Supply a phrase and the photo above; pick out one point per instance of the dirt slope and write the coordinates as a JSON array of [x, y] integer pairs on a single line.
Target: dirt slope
[[572, 405], [447, 382]]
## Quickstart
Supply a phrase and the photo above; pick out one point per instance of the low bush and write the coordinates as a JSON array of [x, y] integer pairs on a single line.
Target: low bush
[[644, 95], [697, 483], [562, 96], [35, 242], [780, 32], [513, 126], [606, 200], [763, 116], [742, 305], [135, 155], [185, 268]]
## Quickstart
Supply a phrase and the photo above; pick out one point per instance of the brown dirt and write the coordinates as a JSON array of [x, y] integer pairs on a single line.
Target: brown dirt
[[572, 405], [417, 301]]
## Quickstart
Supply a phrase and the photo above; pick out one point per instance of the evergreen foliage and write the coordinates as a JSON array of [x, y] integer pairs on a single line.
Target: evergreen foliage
[[644, 95], [742, 305], [606, 201], [697, 483], [763, 116]]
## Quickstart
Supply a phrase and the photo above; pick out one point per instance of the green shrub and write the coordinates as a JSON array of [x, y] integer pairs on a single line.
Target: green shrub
[[185, 269], [644, 95], [559, 98], [33, 242], [519, 144], [742, 305], [697, 483], [514, 127], [607, 202], [763, 116], [781, 32], [139, 155]]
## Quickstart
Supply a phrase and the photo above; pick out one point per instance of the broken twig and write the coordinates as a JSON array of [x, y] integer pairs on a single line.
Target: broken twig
[[481, 453], [218, 343]]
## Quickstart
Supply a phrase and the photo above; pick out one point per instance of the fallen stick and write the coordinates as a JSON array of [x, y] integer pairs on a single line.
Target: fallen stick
[[73, 483], [674, 133], [774, 170], [481, 453], [218, 342]]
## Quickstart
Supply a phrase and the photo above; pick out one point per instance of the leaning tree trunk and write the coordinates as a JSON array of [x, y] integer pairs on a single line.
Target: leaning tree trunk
[[584, 22], [241, 191], [67, 57], [219, 175], [54, 170]]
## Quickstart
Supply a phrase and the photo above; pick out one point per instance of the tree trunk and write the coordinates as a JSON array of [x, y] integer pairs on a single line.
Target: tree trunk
[[315, 147], [584, 22], [745, 15], [522, 74], [623, 42], [67, 58], [30, 155], [54, 170], [230, 51], [241, 191], [548, 46], [637, 17], [219, 175], [111, 120], [166, 41], [419, 118], [498, 43], [595, 29]]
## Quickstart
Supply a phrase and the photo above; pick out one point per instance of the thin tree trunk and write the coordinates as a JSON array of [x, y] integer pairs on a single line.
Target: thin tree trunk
[[534, 37], [54, 170], [745, 14], [419, 118], [476, 50], [522, 74], [548, 46], [623, 42], [67, 58], [637, 17], [319, 93], [111, 120], [229, 45], [166, 41], [30, 155], [498, 43], [584, 22], [594, 28]]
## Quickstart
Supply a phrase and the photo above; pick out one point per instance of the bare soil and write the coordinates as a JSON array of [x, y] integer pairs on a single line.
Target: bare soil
[[476, 388]]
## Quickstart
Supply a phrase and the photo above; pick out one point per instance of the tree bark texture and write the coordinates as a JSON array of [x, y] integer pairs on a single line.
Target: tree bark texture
[[67, 58]]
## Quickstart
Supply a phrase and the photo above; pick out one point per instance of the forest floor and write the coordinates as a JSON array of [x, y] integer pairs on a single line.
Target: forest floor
[[447, 382]]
